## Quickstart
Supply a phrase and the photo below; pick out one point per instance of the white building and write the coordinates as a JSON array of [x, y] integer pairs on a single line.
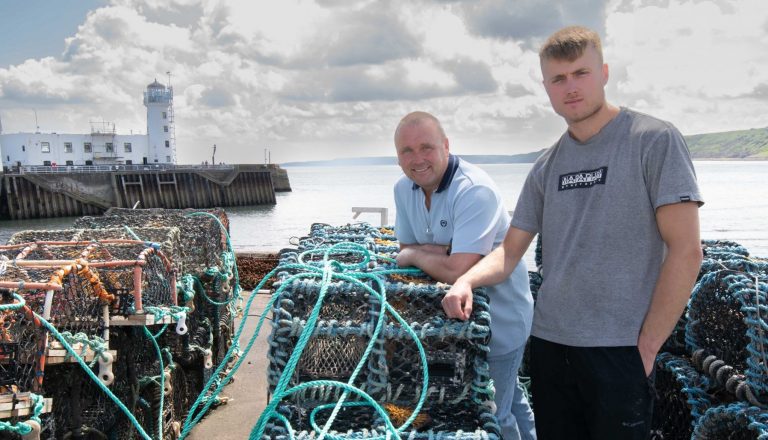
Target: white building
[[102, 146]]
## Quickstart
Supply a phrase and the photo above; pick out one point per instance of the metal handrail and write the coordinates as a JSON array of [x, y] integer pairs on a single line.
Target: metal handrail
[[46, 169]]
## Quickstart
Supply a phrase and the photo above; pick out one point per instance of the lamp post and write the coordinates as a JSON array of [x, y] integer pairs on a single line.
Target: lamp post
[[213, 157]]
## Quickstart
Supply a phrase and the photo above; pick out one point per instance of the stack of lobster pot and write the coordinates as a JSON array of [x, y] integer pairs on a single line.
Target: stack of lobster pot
[[59, 294], [712, 374], [361, 348], [143, 297]]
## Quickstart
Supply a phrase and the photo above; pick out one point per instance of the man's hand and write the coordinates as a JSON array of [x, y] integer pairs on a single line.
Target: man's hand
[[648, 356], [457, 303]]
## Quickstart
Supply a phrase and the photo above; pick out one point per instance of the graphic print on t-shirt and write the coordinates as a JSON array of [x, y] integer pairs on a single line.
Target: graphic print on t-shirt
[[583, 179]]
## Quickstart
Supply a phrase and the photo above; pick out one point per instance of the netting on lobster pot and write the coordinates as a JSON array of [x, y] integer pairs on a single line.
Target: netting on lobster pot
[[682, 397], [80, 407], [736, 421], [22, 346], [146, 280], [455, 350], [137, 384], [715, 248], [463, 420], [726, 332], [340, 337], [30, 236]]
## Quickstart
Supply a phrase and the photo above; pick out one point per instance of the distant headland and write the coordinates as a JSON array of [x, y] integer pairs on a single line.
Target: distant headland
[[749, 144]]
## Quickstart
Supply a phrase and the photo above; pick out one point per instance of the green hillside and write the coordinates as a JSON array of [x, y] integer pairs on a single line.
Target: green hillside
[[741, 144]]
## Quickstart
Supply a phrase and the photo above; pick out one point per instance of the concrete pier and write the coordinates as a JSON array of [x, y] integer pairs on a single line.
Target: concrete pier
[[73, 191]]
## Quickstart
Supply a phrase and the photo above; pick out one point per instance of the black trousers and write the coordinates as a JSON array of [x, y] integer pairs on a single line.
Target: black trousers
[[590, 393]]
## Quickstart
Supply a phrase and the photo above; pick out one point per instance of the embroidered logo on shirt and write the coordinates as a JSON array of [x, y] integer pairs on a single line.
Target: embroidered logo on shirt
[[583, 179], [443, 223]]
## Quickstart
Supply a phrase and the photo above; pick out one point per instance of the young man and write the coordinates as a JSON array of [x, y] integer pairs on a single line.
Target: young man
[[450, 214], [616, 202]]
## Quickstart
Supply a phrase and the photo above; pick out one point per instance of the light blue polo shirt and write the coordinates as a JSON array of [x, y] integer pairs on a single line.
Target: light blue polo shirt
[[467, 212]]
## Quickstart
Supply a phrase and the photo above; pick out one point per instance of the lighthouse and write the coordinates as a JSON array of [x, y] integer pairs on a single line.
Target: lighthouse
[[160, 130]]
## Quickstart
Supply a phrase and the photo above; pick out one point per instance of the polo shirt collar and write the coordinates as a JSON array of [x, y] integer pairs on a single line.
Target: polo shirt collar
[[450, 171]]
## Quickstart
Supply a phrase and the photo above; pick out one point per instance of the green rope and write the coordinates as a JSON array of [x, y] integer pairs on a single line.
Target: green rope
[[95, 343]]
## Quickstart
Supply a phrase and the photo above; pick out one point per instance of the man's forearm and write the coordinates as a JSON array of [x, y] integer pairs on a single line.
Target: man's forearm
[[435, 261], [499, 264], [671, 294]]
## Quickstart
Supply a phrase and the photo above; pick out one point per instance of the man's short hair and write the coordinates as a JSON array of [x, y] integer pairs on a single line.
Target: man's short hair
[[416, 118], [569, 43]]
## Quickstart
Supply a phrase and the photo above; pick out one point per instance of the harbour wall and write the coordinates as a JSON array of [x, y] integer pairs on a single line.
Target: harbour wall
[[73, 192]]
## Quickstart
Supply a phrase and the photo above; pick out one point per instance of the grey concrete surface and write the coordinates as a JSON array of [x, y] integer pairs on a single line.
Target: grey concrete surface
[[248, 393]]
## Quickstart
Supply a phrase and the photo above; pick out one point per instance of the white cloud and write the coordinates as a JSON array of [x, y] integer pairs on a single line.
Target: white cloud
[[330, 78]]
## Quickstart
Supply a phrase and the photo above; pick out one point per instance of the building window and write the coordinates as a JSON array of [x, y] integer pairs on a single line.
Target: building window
[[23, 148], [7, 158], [67, 147], [87, 148], [110, 148], [89, 162], [167, 158], [46, 163], [165, 115], [45, 147], [165, 128], [129, 162], [70, 163], [127, 147], [167, 144]]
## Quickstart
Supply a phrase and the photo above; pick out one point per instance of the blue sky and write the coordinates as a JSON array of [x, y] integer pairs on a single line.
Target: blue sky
[[37, 28], [318, 79]]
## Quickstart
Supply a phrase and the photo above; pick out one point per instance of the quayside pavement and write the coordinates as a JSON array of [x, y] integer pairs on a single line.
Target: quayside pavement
[[248, 393]]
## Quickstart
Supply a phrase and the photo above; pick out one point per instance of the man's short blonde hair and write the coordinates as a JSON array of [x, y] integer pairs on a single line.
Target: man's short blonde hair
[[569, 43]]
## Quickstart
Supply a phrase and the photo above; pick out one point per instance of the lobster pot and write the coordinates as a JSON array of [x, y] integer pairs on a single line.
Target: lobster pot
[[146, 280], [727, 317], [682, 398], [137, 384], [463, 420], [392, 375], [203, 240], [737, 421], [22, 344], [535, 280], [722, 248], [377, 239], [79, 403]]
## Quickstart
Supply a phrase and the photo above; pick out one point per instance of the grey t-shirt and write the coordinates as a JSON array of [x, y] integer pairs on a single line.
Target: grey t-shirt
[[594, 204]]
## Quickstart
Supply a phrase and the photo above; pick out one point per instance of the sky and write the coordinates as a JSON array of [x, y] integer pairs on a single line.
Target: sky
[[321, 79]]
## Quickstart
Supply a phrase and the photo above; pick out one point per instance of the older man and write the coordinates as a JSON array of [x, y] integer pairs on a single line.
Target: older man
[[449, 215]]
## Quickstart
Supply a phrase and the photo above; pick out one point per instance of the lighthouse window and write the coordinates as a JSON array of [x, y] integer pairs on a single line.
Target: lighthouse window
[[45, 147], [165, 115], [67, 147], [110, 148], [127, 147], [165, 128], [167, 144], [87, 148]]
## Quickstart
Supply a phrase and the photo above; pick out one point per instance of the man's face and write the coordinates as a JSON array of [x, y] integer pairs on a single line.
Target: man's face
[[576, 88], [422, 153]]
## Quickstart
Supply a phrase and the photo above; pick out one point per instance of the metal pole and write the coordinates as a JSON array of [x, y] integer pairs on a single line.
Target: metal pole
[[213, 157]]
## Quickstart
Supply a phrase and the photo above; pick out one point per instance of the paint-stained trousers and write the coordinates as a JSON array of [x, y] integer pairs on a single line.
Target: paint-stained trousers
[[590, 393]]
